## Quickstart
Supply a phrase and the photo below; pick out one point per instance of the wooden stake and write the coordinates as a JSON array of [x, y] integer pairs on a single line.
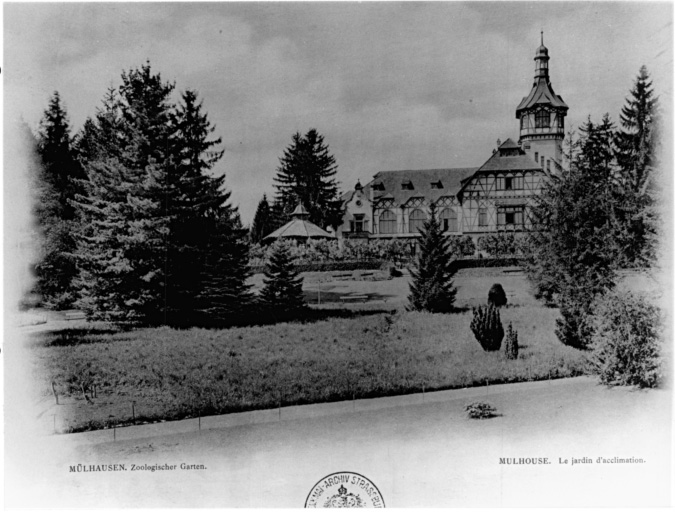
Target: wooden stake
[[56, 396], [54, 416], [133, 411]]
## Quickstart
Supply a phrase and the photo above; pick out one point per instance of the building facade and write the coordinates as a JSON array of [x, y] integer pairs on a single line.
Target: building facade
[[473, 201]]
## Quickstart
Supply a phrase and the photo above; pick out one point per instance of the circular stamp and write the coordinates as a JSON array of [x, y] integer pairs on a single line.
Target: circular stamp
[[344, 490]]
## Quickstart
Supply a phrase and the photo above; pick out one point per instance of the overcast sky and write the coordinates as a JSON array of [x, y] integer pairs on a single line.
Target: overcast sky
[[389, 85]]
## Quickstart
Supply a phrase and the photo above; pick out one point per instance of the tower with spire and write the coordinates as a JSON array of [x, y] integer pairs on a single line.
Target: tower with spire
[[542, 117]]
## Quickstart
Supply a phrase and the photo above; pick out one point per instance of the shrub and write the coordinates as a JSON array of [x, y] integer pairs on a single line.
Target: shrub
[[480, 410], [625, 340], [497, 295], [487, 327], [573, 328], [282, 292], [511, 348]]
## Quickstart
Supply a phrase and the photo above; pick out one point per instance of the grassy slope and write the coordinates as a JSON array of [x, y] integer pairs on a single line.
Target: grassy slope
[[172, 374]]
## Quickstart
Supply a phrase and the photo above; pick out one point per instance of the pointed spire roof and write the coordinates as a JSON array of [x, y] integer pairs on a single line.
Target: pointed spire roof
[[542, 92], [300, 211]]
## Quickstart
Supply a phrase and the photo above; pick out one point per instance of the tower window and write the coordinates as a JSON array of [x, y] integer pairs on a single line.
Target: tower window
[[542, 119], [548, 165], [536, 156]]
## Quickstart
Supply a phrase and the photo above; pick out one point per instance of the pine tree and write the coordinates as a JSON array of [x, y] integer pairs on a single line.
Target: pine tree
[[637, 138], [207, 250], [431, 288], [162, 245], [122, 248], [282, 292], [637, 143], [262, 221], [574, 250], [307, 176], [224, 296], [58, 184]]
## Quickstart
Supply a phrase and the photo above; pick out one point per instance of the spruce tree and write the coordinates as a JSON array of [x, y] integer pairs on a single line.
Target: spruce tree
[[208, 249], [431, 287], [282, 292], [262, 221], [637, 138], [57, 186], [637, 143], [307, 175], [122, 248], [161, 244], [573, 240]]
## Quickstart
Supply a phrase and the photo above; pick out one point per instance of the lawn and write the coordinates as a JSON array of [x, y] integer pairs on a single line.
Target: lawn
[[163, 374]]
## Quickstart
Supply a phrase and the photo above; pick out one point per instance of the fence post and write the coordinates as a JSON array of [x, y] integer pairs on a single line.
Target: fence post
[[56, 396], [133, 411]]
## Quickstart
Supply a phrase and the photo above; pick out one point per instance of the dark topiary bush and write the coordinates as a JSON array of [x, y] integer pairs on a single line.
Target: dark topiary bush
[[626, 340], [480, 410], [511, 348], [497, 295], [487, 327]]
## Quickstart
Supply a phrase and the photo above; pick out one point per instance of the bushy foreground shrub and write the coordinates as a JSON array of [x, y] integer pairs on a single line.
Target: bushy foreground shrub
[[487, 327], [626, 340], [511, 348], [480, 410]]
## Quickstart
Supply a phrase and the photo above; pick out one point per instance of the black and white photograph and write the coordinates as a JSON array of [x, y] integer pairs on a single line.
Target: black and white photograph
[[337, 254]]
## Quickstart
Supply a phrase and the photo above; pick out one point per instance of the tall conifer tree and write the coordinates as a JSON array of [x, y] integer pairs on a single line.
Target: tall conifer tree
[[307, 176], [637, 143], [58, 184], [262, 221], [431, 286], [282, 292]]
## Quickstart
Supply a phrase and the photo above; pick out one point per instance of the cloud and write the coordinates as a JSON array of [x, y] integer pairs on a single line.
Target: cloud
[[390, 85]]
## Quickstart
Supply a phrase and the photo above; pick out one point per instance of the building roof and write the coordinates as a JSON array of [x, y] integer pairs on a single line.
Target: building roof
[[509, 157], [421, 180], [541, 94], [299, 211], [299, 228]]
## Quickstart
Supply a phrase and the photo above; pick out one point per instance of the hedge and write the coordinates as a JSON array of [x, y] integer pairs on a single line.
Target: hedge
[[331, 266]]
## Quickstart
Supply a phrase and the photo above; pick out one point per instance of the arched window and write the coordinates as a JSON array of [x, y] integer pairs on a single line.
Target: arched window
[[449, 219], [416, 220], [387, 222]]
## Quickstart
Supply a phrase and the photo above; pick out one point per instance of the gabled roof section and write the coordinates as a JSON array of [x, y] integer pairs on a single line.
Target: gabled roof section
[[509, 157], [421, 181], [541, 94], [509, 144]]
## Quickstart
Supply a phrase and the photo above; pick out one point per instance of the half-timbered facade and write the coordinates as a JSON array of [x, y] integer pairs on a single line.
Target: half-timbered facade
[[469, 201]]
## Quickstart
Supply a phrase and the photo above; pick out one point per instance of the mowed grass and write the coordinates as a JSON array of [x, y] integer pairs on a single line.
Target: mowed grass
[[171, 374]]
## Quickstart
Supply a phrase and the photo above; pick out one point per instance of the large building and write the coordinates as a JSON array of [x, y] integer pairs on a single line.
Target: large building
[[470, 201]]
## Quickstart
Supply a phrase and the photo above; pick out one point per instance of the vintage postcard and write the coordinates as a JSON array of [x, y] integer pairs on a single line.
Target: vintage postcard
[[337, 254]]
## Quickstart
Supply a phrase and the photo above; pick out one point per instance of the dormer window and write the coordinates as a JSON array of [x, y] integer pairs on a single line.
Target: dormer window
[[407, 185], [436, 184], [378, 185]]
